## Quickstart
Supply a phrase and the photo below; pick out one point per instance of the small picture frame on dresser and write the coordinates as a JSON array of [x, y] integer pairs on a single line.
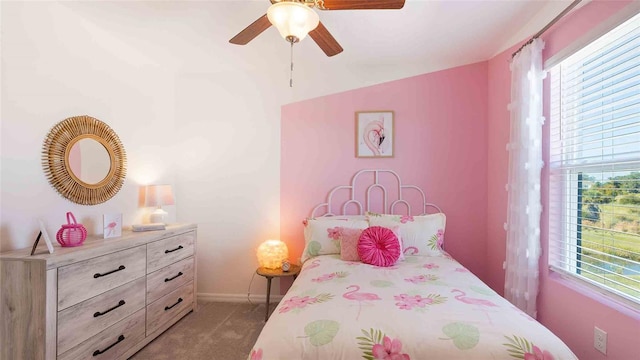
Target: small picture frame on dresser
[[112, 225], [43, 234]]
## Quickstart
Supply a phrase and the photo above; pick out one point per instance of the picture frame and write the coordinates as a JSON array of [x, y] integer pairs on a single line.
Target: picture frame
[[43, 234], [112, 225], [375, 134]]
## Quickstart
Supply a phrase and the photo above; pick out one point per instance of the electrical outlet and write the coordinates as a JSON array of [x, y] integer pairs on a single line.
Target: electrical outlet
[[600, 340]]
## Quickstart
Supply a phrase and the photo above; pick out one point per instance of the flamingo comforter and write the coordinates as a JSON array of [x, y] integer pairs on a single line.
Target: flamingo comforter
[[426, 307]]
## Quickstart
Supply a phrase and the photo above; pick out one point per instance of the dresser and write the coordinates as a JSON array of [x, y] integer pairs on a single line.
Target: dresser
[[105, 299]]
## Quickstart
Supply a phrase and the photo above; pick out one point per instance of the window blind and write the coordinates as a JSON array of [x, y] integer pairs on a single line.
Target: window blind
[[594, 197]]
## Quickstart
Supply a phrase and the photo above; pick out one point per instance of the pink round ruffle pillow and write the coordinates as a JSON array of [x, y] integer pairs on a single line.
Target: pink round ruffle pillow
[[378, 246]]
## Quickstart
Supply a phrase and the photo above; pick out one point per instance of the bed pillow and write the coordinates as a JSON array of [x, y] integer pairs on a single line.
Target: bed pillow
[[349, 244], [420, 235], [378, 246], [322, 237]]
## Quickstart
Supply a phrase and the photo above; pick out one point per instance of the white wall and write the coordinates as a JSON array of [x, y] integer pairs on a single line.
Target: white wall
[[191, 109], [188, 112], [56, 64]]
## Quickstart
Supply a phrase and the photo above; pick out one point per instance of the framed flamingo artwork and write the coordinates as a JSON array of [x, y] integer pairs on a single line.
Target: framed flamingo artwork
[[374, 134], [112, 225]]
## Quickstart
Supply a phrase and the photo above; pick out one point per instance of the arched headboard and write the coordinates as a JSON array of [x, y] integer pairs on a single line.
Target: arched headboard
[[375, 188]]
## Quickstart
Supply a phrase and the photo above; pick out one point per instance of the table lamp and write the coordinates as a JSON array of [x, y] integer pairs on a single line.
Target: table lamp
[[272, 253], [158, 195]]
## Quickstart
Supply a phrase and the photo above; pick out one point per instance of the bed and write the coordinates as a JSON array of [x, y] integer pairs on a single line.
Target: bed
[[425, 305]]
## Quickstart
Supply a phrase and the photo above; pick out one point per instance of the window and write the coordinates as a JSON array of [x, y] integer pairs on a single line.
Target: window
[[594, 190]]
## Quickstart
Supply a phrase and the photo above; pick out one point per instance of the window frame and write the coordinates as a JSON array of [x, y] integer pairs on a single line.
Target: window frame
[[572, 238]]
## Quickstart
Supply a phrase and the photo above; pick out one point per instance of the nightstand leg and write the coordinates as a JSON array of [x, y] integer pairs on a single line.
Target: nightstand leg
[[266, 315]]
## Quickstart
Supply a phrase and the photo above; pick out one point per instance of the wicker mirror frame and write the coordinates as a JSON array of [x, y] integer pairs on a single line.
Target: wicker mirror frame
[[55, 160]]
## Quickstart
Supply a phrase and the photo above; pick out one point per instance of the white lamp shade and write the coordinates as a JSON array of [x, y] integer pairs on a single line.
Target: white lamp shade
[[271, 253], [292, 19], [158, 195]]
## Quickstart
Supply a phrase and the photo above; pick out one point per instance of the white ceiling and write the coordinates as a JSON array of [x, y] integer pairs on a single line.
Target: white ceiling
[[385, 45], [436, 31], [379, 45]]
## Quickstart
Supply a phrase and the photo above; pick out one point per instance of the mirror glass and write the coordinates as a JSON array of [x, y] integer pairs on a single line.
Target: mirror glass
[[89, 161]]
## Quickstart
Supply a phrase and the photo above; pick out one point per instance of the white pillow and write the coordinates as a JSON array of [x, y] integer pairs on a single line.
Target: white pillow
[[420, 235], [322, 237]]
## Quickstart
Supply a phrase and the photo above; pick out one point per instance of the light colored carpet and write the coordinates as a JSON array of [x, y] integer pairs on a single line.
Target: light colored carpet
[[217, 331]]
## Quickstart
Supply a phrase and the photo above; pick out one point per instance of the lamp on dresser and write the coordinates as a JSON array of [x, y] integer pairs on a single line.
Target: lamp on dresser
[[157, 196]]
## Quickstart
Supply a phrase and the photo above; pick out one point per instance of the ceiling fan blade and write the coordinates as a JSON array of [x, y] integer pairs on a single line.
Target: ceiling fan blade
[[358, 4], [251, 31], [325, 40]]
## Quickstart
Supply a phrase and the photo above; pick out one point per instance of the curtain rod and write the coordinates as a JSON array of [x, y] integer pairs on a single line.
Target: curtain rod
[[550, 24]]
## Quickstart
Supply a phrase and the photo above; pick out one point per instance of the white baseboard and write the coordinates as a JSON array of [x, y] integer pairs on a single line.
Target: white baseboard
[[239, 298]]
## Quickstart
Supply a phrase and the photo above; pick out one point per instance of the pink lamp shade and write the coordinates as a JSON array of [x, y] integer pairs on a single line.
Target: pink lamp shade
[[271, 253], [157, 196]]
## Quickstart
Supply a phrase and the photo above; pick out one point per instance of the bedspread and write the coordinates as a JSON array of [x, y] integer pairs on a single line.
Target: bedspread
[[426, 307]]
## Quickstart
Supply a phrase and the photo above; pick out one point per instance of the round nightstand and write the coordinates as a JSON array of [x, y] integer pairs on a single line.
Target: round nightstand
[[270, 274]]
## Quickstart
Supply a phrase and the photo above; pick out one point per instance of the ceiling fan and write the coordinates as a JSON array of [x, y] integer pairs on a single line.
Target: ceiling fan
[[296, 18]]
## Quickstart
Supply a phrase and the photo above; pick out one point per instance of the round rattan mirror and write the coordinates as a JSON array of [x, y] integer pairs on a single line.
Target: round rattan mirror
[[84, 160]]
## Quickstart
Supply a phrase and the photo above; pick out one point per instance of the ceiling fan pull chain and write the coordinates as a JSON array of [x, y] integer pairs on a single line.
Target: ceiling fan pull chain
[[291, 70]]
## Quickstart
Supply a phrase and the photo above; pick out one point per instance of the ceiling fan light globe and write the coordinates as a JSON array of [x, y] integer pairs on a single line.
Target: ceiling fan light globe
[[292, 19]]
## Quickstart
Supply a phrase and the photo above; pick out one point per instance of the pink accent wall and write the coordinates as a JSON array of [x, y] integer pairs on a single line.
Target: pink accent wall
[[499, 91], [440, 145], [570, 311]]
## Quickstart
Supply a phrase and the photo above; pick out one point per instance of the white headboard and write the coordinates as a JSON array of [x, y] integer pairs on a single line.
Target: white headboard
[[402, 191]]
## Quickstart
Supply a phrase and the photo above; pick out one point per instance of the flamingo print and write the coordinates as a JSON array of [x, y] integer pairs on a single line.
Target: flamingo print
[[110, 228], [314, 264], [473, 301], [411, 250], [360, 297], [374, 136]]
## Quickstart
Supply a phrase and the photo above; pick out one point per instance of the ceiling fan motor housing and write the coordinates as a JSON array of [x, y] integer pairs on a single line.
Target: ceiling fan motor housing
[[293, 20]]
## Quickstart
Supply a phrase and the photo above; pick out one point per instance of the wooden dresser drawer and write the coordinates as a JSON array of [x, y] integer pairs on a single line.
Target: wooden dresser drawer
[[169, 278], [164, 252], [169, 306], [86, 279], [111, 343], [84, 320]]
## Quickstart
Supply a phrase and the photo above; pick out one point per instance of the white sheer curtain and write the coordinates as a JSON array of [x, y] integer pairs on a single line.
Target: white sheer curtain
[[525, 164]]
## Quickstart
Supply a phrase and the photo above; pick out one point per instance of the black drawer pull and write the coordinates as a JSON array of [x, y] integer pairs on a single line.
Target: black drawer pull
[[98, 352], [98, 313], [169, 307], [171, 278], [120, 268], [176, 249]]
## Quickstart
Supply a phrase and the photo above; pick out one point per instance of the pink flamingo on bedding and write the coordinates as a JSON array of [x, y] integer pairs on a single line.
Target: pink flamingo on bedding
[[411, 250], [314, 264], [360, 297], [256, 354], [473, 301]]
